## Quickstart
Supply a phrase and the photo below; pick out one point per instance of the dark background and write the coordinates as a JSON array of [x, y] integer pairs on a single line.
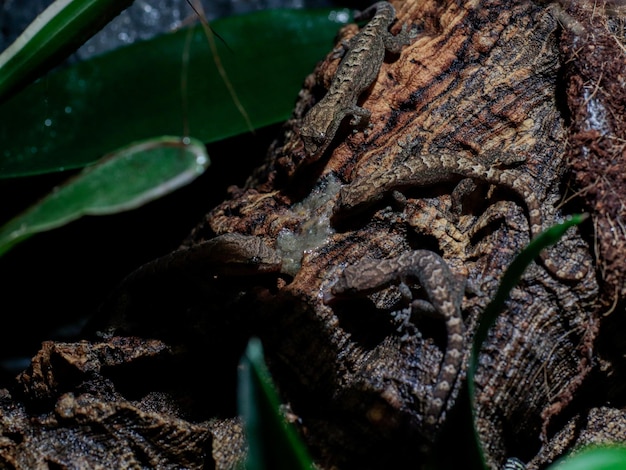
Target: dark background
[[53, 282]]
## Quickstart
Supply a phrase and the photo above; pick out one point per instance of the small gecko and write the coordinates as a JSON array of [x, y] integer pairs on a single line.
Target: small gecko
[[445, 293], [423, 170], [356, 72]]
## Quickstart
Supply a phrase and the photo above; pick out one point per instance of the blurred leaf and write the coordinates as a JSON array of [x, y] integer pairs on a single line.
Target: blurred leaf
[[594, 458], [56, 32], [511, 277], [166, 86], [124, 180], [272, 443]]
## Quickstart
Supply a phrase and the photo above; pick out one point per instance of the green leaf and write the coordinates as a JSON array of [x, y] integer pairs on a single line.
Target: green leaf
[[122, 181], [272, 443], [594, 458], [166, 86], [511, 277], [56, 32]]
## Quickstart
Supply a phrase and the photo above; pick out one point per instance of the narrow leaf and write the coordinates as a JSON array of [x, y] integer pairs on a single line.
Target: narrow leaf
[[56, 32], [511, 277], [272, 443], [121, 181]]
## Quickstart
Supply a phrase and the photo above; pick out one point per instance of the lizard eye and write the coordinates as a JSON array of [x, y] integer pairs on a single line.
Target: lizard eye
[[319, 138], [310, 143]]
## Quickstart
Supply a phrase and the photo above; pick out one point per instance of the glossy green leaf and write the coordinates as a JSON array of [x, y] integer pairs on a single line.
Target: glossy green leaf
[[165, 86], [121, 181], [56, 32], [272, 443], [511, 277], [594, 458]]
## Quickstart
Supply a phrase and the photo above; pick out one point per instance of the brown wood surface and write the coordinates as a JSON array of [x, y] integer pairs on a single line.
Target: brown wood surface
[[512, 85]]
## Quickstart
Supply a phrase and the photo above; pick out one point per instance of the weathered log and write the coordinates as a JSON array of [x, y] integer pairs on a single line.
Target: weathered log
[[494, 107]]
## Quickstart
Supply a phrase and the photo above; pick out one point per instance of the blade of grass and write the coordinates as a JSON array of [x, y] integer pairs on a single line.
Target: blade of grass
[[58, 31], [272, 443], [124, 180], [511, 277]]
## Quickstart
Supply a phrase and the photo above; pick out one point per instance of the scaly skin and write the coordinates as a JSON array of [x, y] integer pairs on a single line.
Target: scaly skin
[[445, 294], [424, 170], [356, 73]]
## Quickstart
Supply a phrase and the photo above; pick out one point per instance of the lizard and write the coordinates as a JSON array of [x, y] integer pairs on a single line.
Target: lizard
[[444, 291], [229, 254], [423, 170], [356, 72]]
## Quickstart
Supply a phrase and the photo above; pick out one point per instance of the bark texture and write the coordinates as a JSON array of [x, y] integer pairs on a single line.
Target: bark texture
[[532, 89]]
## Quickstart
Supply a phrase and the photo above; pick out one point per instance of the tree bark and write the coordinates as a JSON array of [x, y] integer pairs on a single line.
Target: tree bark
[[515, 86]]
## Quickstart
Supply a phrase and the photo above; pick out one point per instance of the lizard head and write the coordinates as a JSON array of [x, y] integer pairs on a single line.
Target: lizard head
[[316, 130], [313, 140]]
